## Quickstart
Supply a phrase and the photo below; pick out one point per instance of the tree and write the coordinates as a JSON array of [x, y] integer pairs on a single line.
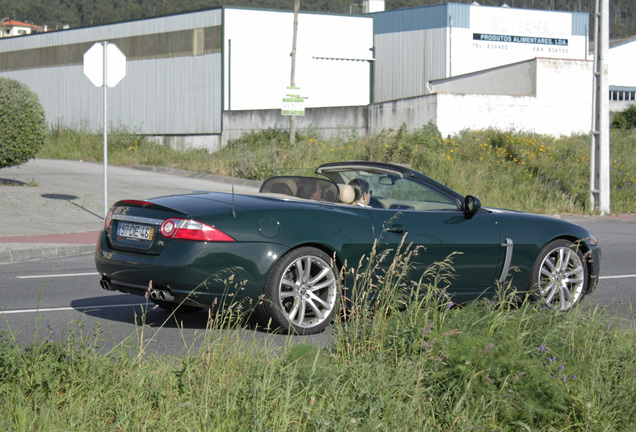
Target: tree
[[22, 123]]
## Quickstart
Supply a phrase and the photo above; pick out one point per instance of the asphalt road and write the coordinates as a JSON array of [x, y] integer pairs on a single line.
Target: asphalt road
[[62, 296]]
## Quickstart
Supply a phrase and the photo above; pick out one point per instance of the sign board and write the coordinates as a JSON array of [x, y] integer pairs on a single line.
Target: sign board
[[293, 103], [105, 59], [94, 64]]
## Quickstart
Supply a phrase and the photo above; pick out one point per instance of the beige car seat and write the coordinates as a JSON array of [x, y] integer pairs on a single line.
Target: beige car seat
[[347, 193]]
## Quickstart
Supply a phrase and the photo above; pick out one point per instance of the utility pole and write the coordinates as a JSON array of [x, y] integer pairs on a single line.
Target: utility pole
[[292, 83], [600, 149]]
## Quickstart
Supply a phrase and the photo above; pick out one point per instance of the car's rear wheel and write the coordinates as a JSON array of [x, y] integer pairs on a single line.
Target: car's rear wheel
[[301, 293], [559, 276]]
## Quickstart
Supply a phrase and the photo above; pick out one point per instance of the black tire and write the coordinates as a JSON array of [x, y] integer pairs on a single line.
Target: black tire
[[301, 293], [559, 276]]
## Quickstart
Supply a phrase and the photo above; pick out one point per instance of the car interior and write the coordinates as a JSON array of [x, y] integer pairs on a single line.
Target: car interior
[[387, 192]]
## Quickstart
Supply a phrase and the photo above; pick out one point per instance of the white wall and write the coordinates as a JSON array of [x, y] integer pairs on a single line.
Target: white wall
[[622, 65], [513, 35], [332, 63], [562, 105]]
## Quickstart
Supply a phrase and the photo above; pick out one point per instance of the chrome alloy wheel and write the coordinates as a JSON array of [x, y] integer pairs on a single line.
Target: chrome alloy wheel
[[562, 278], [308, 291]]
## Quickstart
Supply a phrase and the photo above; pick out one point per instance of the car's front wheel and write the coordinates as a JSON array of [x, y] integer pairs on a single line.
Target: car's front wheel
[[559, 276], [301, 292]]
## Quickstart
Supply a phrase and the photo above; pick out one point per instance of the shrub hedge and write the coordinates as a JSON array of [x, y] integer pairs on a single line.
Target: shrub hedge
[[625, 119], [22, 123]]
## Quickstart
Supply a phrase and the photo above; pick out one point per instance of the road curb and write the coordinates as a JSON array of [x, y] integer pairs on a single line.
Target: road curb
[[16, 252]]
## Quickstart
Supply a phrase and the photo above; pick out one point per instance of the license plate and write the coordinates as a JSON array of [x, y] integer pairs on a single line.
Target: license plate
[[134, 231]]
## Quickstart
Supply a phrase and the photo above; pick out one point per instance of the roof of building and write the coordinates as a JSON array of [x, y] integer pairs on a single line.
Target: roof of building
[[13, 23], [624, 41]]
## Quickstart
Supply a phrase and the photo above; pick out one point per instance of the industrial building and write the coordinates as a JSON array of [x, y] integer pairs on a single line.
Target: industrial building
[[183, 71], [622, 74], [199, 79], [418, 45]]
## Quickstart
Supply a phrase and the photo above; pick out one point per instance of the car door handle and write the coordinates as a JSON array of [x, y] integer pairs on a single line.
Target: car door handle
[[398, 229]]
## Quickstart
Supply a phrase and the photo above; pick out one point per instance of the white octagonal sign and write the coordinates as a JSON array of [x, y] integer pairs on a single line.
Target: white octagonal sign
[[94, 64]]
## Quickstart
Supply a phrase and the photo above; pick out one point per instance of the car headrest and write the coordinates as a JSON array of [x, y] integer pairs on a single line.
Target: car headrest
[[289, 185], [347, 194]]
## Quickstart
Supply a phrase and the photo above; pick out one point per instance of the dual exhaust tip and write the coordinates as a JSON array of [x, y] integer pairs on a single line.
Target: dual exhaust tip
[[160, 295], [154, 294]]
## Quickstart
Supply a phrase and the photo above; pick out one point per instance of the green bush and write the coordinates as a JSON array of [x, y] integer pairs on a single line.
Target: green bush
[[625, 119], [22, 123]]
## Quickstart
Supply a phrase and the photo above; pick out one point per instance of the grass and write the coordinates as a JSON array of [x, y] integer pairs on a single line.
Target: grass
[[392, 364], [410, 360], [508, 169]]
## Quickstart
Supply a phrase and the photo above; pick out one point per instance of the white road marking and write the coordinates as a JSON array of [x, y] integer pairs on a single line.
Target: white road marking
[[62, 309], [57, 275], [618, 277], [97, 274]]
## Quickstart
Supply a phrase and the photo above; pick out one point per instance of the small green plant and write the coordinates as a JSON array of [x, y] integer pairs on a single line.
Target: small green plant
[[625, 119], [22, 123]]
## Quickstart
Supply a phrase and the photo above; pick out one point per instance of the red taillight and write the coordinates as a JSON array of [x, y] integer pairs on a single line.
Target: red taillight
[[188, 229], [136, 202], [109, 219]]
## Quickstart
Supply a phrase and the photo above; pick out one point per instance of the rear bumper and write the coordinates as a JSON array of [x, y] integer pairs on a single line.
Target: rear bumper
[[204, 273]]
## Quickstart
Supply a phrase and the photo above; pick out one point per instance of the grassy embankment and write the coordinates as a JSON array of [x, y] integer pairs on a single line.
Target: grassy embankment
[[390, 365], [523, 171]]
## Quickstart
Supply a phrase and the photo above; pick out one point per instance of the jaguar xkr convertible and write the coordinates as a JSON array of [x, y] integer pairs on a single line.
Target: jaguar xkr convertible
[[282, 249]]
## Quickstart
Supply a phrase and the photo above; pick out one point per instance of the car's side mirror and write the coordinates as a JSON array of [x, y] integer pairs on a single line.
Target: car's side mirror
[[471, 204], [387, 180]]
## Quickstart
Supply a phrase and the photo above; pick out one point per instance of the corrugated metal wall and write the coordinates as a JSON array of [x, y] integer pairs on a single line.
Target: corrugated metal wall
[[405, 62], [416, 45], [172, 84], [411, 48]]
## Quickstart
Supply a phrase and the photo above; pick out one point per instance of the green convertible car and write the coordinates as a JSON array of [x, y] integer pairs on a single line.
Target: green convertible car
[[282, 248]]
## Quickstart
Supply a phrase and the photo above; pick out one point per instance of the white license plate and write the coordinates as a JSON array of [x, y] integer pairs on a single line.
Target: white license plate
[[134, 231]]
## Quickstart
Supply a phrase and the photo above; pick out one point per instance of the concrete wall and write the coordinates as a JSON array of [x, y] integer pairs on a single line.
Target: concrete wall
[[327, 122], [618, 106], [413, 112], [555, 98], [560, 104]]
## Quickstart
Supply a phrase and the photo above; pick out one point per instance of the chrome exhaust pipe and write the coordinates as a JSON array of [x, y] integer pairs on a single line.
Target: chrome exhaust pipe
[[161, 295], [105, 284], [166, 296]]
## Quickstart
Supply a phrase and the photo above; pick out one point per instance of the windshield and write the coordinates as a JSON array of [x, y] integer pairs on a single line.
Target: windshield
[[395, 191]]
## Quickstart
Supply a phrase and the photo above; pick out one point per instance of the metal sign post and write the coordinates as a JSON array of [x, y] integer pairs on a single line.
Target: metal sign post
[[105, 139], [105, 66], [292, 82], [600, 149]]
